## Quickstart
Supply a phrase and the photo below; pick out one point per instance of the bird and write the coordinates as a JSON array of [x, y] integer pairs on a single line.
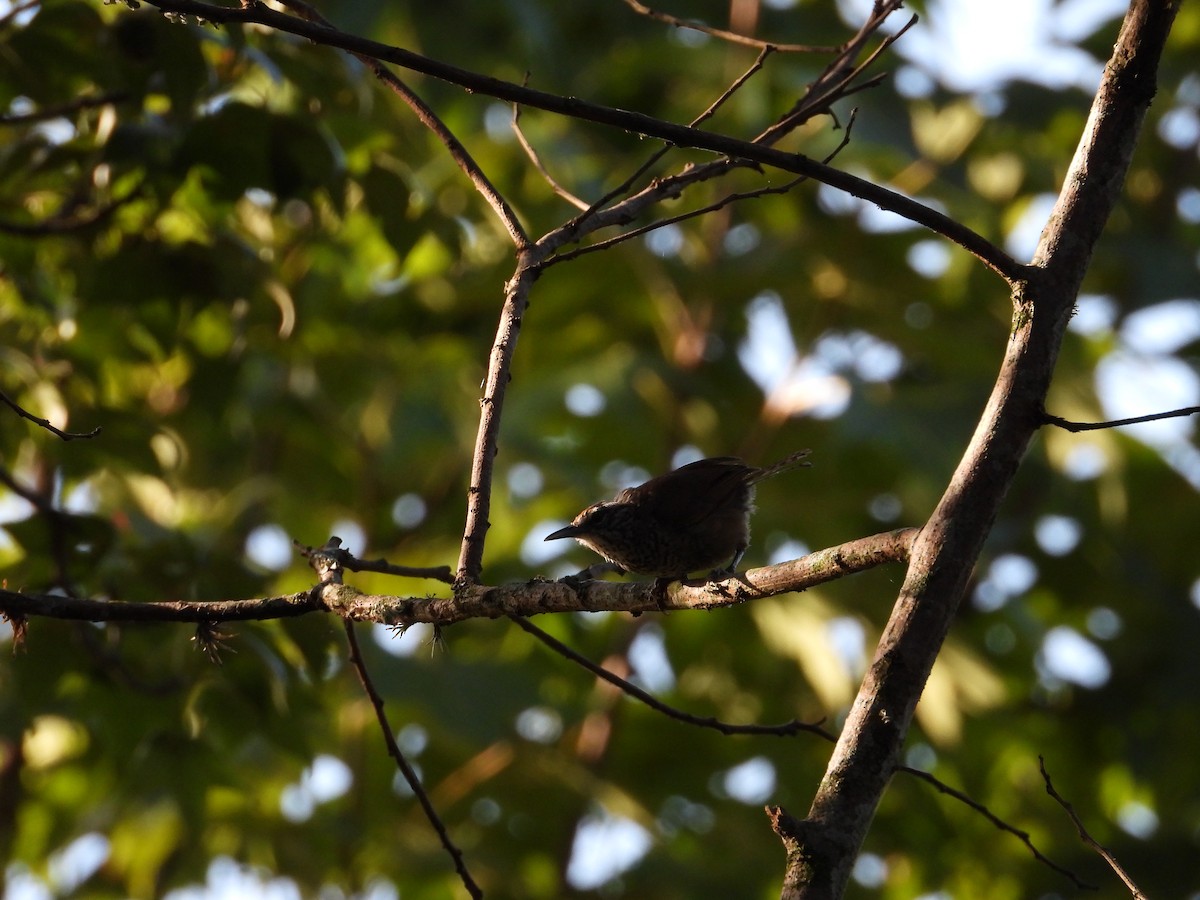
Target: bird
[[694, 518]]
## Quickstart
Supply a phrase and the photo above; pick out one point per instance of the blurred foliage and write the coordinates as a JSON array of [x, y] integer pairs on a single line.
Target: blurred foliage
[[276, 294]]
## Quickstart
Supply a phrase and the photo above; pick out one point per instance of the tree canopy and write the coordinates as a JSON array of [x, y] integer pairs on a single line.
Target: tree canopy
[[239, 254]]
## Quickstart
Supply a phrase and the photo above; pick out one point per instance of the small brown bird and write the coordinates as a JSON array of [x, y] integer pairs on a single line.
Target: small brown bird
[[697, 517]]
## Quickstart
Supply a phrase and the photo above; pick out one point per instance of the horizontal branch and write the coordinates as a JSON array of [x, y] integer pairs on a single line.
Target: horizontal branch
[[531, 598], [1117, 423], [634, 122], [58, 606], [475, 601]]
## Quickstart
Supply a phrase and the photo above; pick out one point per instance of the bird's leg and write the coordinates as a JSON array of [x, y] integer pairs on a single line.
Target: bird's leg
[[731, 569], [659, 592], [738, 553]]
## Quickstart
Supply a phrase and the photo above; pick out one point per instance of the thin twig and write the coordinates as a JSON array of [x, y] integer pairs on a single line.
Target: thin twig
[[45, 423], [658, 154], [1117, 423], [1087, 838], [410, 776], [608, 243], [704, 210], [1023, 836], [730, 36], [537, 162], [349, 561], [327, 563], [836, 80], [785, 729]]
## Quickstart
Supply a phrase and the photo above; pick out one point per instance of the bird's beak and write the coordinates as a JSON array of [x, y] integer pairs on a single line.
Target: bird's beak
[[569, 531]]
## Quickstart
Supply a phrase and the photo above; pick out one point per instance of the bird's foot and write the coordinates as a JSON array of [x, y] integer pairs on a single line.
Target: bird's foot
[[659, 593]]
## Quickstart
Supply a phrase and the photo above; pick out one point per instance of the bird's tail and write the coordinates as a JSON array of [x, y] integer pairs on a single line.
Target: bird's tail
[[793, 461]]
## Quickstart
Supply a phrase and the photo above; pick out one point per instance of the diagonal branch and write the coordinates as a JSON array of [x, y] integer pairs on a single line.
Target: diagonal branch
[[1022, 836], [539, 165], [1084, 836], [950, 543], [45, 423], [784, 730], [327, 563], [704, 210], [406, 770], [637, 123]]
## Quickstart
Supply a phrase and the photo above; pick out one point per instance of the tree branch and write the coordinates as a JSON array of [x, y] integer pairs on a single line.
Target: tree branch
[[694, 213], [1117, 423], [947, 548], [491, 405], [636, 123], [1104, 852], [475, 601], [406, 770], [333, 547], [327, 563], [45, 423], [785, 729], [1022, 836]]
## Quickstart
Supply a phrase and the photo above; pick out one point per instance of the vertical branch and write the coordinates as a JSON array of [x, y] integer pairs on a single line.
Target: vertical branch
[[822, 849], [470, 562], [479, 495]]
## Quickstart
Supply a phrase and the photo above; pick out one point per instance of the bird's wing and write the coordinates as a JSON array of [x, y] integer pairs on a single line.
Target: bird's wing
[[693, 492]]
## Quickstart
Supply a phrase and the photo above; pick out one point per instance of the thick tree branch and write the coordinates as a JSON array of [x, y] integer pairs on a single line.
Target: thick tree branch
[[947, 548], [473, 601]]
